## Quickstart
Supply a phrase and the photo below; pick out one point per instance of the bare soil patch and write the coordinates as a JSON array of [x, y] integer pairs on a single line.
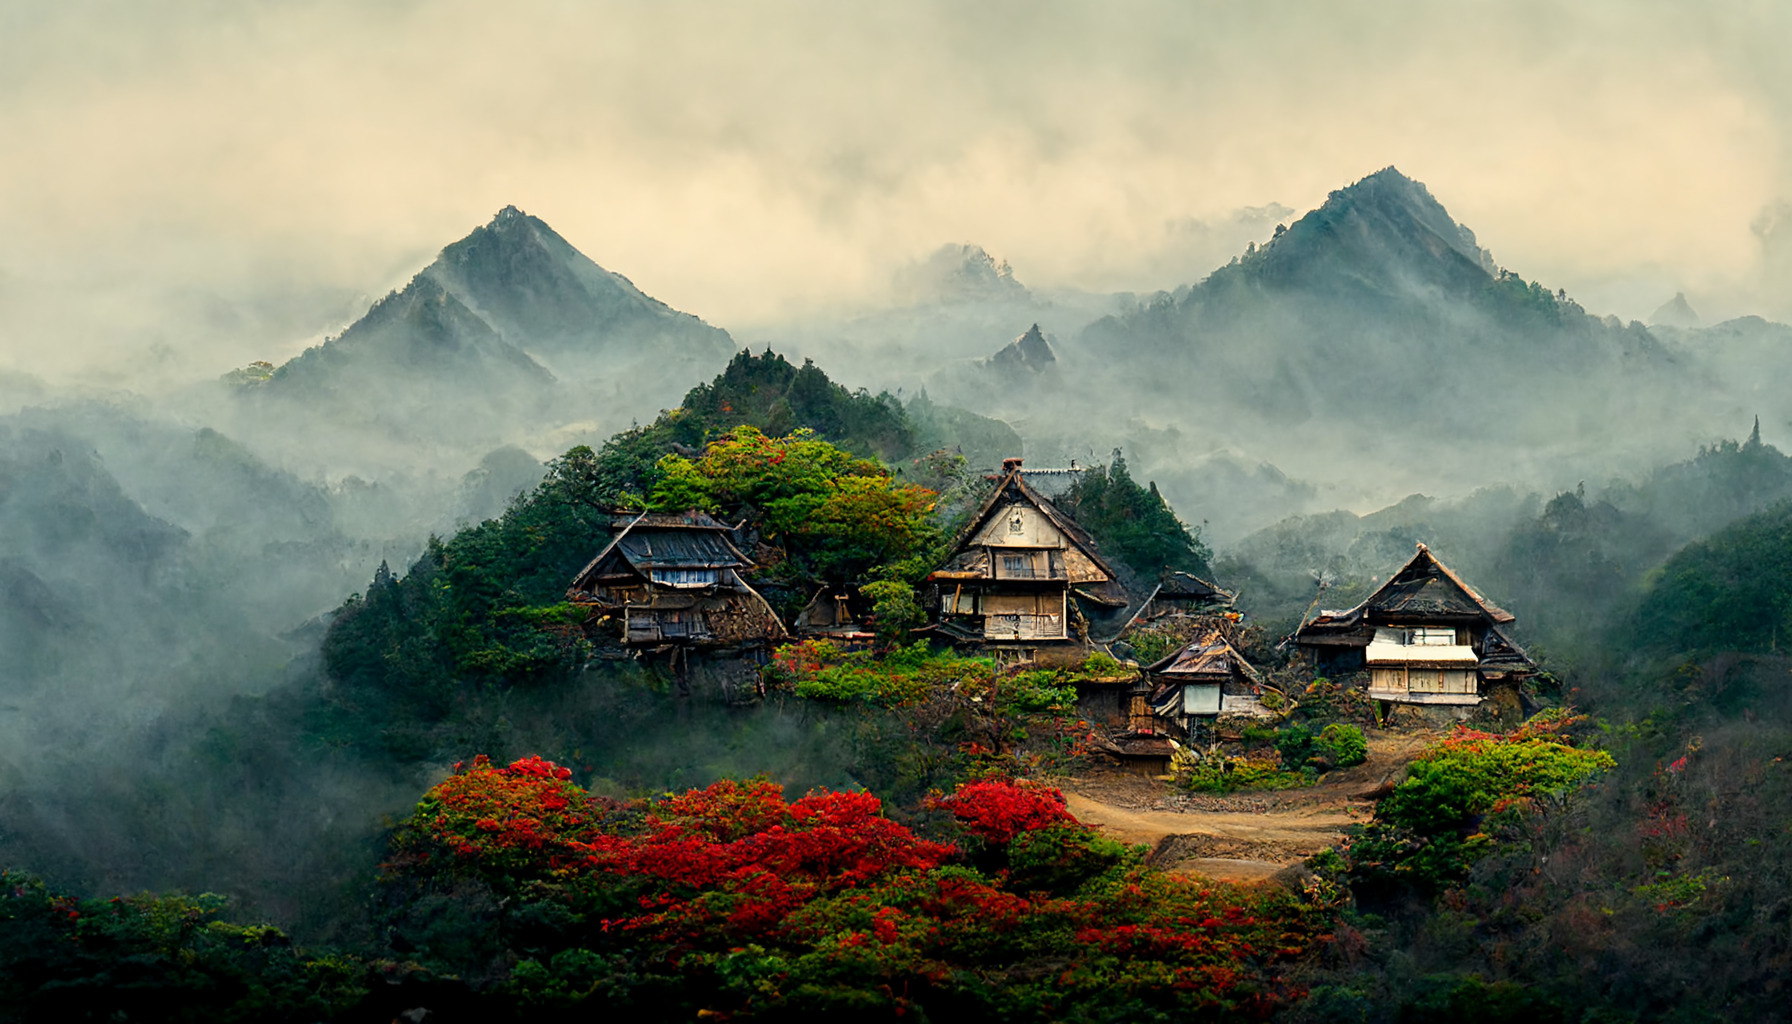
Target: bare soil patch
[[1241, 837]]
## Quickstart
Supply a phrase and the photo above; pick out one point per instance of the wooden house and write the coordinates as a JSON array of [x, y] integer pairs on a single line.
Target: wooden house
[[1425, 637], [1017, 576], [674, 580], [1202, 680]]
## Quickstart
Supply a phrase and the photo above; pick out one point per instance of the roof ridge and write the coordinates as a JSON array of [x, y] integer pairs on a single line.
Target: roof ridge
[[1495, 612], [601, 555]]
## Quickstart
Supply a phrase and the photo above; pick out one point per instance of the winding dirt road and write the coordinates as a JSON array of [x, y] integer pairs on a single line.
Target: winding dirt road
[[1243, 838]]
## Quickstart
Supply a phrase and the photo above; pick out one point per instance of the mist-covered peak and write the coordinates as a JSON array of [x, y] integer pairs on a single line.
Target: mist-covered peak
[[1676, 312], [1385, 231], [553, 301], [959, 273], [1029, 351]]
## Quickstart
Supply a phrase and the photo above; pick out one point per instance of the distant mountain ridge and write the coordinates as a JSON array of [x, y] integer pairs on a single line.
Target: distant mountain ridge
[[423, 329], [510, 331], [554, 302], [1378, 292]]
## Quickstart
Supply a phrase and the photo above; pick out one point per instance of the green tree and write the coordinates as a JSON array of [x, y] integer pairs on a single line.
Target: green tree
[[1135, 523]]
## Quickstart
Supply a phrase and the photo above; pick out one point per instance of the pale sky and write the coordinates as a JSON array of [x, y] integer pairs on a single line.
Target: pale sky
[[752, 161]]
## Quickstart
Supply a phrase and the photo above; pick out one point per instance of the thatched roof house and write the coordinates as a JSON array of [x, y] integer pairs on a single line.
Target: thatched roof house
[[1019, 573], [1425, 636], [675, 580]]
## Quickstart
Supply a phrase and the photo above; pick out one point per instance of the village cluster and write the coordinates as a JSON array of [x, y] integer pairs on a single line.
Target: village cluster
[[1026, 585]]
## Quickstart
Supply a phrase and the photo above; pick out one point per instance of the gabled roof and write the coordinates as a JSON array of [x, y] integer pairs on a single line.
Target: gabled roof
[[1207, 655], [690, 540], [1184, 585], [1423, 586], [1013, 487]]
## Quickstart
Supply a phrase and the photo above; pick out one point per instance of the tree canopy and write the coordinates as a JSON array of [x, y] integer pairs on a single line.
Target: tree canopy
[[1133, 523], [839, 516]]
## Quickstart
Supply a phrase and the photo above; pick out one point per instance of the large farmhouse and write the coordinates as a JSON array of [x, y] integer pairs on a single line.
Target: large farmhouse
[[673, 580], [1425, 637], [1017, 577]]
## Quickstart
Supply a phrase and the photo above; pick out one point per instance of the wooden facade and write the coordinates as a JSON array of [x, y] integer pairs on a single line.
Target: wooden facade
[[1425, 637], [674, 580], [1017, 575]]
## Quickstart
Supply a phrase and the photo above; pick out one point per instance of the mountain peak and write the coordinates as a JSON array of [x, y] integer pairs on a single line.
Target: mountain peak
[[1385, 231], [959, 272], [1030, 351], [1676, 312], [546, 296], [510, 219]]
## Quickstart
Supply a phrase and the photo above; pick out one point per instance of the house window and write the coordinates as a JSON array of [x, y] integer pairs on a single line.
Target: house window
[[685, 577], [1017, 565], [1432, 636]]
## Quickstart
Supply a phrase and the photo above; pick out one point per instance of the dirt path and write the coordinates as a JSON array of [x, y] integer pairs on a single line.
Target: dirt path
[[1244, 837]]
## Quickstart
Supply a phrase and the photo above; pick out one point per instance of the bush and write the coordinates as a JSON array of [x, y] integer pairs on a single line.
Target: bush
[[895, 607], [906, 675], [1226, 774], [1295, 743], [1343, 744], [1064, 860], [1255, 735], [1034, 691], [1439, 819]]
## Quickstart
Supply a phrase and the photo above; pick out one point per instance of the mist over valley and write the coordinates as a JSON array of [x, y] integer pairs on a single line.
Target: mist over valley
[[723, 584]]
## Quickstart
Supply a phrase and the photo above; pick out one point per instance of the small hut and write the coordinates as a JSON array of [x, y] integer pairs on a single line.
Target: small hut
[[1205, 678], [836, 613], [674, 580]]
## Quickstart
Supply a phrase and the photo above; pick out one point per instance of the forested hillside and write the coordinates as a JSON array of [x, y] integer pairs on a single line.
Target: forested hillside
[[467, 788], [1654, 609]]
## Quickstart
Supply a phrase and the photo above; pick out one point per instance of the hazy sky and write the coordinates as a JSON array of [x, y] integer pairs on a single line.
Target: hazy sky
[[746, 161]]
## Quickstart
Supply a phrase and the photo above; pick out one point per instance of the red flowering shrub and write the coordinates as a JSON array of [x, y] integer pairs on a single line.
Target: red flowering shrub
[[996, 810], [528, 814], [733, 900]]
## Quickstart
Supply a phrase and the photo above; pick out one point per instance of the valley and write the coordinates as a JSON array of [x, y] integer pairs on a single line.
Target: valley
[[527, 604]]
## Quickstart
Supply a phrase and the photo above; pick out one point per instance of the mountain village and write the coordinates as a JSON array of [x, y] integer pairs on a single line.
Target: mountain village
[[1027, 587]]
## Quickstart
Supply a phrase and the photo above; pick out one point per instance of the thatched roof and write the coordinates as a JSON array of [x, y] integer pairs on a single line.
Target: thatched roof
[[1424, 588], [688, 540]]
